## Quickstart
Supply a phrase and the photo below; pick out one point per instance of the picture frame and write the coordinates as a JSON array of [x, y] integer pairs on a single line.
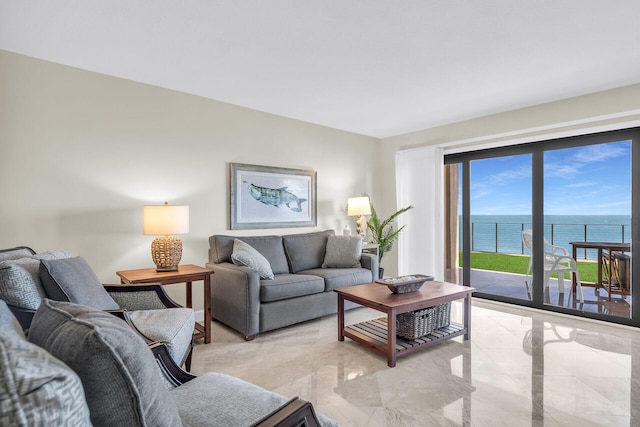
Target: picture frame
[[271, 197]]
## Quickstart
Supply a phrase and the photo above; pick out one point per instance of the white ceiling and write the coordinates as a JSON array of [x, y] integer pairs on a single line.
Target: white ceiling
[[378, 68]]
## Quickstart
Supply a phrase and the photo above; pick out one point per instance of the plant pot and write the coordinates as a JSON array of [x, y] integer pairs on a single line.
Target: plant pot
[[380, 272]]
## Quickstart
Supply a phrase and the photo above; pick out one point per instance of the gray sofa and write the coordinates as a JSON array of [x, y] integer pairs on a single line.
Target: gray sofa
[[301, 289]]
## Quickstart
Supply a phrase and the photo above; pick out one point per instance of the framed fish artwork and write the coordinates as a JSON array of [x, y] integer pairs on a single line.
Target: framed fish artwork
[[271, 197]]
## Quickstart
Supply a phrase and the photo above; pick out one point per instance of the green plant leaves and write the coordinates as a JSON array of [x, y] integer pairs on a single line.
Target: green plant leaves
[[382, 231]]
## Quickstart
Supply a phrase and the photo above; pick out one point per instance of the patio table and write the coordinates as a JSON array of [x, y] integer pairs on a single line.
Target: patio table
[[604, 260]]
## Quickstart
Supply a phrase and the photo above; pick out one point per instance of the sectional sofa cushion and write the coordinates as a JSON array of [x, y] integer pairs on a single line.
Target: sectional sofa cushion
[[285, 286], [343, 252], [71, 279], [269, 246], [20, 283], [306, 251], [335, 278], [36, 389], [244, 254], [115, 365], [172, 327], [230, 395]]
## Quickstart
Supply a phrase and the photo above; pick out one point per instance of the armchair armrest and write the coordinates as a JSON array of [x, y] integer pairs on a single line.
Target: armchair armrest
[[141, 296], [295, 413], [172, 372]]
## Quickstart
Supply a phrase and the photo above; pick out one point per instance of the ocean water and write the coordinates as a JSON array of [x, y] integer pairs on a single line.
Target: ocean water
[[502, 233]]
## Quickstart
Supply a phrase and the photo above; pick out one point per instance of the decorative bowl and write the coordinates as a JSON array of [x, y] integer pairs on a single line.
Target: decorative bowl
[[404, 284]]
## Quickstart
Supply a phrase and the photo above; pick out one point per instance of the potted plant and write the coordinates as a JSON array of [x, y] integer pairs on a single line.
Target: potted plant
[[383, 232]]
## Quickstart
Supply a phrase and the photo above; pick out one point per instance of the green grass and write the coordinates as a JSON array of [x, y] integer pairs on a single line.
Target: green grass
[[518, 264]]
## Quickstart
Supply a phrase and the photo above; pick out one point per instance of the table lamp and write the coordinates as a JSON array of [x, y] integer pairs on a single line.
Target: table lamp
[[359, 206], [163, 221]]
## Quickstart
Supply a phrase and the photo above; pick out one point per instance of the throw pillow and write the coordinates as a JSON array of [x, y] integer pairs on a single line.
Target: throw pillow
[[36, 389], [72, 280], [343, 252], [20, 284], [245, 254], [18, 287], [118, 370], [306, 251]]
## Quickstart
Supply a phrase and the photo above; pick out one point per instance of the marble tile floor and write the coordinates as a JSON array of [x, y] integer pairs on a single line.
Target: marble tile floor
[[522, 367]]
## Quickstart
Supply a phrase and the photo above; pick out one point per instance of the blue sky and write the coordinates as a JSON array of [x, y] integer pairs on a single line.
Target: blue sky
[[590, 180]]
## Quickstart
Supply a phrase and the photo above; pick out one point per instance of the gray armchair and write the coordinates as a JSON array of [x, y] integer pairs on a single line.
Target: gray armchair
[[82, 366], [26, 278]]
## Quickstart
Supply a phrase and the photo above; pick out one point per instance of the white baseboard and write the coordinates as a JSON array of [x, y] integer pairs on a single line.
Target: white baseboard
[[199, 315]]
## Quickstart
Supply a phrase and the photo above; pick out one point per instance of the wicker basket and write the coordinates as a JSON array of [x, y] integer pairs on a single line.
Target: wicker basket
[[419, 323]]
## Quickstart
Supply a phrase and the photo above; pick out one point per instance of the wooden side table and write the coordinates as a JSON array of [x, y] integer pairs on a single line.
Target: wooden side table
[[188, 274]]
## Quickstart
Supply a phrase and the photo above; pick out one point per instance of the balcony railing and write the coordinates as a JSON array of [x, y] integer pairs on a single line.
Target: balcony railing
[[506, 237]]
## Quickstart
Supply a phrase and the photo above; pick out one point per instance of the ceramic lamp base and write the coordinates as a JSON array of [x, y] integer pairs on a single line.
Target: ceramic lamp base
[[166, 252], [361, 226]]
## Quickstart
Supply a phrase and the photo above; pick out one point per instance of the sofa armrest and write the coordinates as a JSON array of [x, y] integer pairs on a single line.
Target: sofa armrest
[[235, 297], [141, 296], [370, 262]]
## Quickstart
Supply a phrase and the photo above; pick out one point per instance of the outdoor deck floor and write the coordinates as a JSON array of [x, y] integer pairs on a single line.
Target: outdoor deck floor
[[513, 286]]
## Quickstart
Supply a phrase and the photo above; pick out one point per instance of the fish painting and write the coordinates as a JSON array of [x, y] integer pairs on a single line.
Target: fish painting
[[276, 197]]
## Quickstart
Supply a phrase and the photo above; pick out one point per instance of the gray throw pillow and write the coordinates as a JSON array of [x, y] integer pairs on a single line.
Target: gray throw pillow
[[306, 251], [20, 283], [343, 252], [72, 280], [245, 254], [36, 389], [118, 370]]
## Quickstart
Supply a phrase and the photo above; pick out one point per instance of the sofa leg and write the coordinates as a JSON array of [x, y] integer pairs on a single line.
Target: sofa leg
[[250, 337]]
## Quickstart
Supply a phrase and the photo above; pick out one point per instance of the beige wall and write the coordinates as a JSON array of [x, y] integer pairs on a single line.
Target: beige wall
[[81, 153]]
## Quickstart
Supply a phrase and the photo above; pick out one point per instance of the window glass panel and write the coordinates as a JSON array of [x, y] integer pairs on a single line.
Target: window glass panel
[[587, 228], [500, 211]]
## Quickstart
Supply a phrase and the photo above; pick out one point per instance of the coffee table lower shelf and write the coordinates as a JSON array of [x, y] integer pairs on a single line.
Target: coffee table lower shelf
[[373, 334]]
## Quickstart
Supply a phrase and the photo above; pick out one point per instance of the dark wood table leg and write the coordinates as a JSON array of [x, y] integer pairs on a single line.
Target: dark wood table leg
[[189, 295], [207, 309], [599, 284], [467, 317], [391, 338], [340, 318]]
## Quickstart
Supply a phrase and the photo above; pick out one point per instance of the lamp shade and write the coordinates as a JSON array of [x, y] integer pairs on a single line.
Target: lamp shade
[[164, 220], [358, 206]]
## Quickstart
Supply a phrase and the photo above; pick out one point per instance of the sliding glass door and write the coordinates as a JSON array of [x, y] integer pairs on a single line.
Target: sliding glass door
[[587, 228], [548, 224], [500, 202]]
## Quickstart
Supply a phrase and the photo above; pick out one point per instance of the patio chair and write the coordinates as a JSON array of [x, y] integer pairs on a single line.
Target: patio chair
[[556, 260]]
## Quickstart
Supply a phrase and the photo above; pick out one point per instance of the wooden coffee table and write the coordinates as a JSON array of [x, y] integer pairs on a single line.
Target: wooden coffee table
[[380, 335]]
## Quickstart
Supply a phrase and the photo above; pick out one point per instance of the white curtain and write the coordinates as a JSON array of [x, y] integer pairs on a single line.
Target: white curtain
[[419, 182]]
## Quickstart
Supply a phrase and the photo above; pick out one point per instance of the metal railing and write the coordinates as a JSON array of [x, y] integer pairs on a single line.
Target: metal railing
[[505, 237]]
